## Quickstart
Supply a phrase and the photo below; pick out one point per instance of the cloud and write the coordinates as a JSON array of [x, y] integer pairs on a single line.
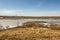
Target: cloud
[[10, 12], [43, 13], [7, 12], [40, 3]]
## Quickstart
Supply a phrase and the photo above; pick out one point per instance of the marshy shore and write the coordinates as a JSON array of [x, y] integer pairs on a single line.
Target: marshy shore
[[31, 33]]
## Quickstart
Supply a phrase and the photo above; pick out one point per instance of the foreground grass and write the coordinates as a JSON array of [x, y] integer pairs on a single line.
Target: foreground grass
[[30, 34]]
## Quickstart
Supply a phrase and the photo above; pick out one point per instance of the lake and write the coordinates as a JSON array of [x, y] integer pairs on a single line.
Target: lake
[[16, 22]]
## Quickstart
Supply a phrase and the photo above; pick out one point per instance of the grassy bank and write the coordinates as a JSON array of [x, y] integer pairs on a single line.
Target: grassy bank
[[30, 34]]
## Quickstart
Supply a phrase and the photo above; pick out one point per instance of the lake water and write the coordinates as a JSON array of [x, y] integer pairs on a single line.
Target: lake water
[[15, 22]]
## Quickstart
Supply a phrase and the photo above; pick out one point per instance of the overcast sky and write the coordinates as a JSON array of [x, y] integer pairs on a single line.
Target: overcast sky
[[30, 7]]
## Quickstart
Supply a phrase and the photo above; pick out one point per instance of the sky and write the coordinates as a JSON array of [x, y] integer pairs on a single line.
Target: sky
[[29, 7]]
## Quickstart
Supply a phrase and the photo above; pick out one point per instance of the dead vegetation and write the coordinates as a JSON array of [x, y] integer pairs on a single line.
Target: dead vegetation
[[30, 34], [32, 31], [41, 25]]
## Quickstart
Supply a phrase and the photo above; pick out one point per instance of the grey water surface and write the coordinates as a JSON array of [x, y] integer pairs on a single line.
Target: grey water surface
[[15, 22]]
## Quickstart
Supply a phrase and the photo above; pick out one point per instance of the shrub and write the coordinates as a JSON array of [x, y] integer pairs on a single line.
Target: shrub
[[54, 26], [57, 27], [32, 24]]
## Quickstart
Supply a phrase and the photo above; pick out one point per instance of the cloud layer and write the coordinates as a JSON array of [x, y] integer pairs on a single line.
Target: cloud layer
[[28, 13]]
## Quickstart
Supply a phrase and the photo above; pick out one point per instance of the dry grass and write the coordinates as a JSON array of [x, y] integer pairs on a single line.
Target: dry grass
[[36, 32], [30, 34]]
